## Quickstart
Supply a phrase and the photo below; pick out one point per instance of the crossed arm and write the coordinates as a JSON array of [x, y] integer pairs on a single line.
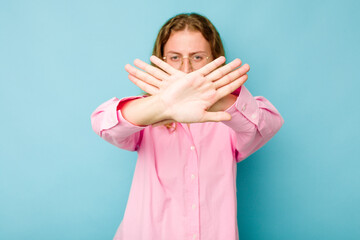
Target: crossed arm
[[199, 96]]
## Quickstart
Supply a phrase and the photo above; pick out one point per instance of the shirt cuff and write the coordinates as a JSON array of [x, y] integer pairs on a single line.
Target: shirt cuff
[[113, 115], [244, 109]]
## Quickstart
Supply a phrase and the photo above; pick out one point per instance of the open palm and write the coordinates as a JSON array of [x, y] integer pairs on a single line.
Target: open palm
[[187, 97]]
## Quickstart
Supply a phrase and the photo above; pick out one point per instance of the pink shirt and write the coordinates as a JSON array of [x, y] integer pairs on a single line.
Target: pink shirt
[[184, 184]]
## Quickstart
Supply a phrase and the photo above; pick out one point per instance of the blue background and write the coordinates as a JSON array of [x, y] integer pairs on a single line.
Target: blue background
[[59, 60]]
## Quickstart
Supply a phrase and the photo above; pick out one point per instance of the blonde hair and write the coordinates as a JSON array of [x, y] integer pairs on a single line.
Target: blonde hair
[[192, 22]]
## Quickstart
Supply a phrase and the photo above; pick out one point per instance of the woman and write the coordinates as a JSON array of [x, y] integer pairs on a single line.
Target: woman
[[196, 122]]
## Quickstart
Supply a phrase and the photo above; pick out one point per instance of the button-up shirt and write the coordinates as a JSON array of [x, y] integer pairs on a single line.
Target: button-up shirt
[[184, 184]]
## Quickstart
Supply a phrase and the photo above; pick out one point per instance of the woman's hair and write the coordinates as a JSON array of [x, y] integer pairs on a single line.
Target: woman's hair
[[192, 22]]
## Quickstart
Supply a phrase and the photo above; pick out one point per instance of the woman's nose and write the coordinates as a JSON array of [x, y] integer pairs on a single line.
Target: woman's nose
[[186, 66]]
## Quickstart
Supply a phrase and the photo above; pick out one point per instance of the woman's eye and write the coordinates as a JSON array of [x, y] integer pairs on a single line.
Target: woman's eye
[[197, 58], [174, 58]]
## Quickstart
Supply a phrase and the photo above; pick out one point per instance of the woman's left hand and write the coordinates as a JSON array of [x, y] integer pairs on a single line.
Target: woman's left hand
[[151, 79]]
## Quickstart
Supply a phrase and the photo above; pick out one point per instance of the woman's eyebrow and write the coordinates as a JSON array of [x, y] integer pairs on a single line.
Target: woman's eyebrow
[[192, 53]]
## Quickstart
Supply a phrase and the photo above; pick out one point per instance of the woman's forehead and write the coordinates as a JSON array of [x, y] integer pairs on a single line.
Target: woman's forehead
[[187, 42]]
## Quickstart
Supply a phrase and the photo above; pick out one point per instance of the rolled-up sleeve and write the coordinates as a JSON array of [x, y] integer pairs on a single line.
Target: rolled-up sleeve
[[108, 122], [254, 121]]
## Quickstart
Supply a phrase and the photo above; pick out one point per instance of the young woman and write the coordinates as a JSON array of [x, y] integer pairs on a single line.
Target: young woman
[[196, 122]]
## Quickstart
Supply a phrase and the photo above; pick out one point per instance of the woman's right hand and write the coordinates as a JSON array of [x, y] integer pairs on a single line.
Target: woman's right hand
[[185, 97]]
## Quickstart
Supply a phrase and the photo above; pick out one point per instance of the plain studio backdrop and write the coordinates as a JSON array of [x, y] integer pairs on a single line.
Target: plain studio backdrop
[[59, 60]]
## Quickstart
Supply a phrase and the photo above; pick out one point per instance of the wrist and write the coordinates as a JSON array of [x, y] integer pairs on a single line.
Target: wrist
[[224, 103], [163, 107]]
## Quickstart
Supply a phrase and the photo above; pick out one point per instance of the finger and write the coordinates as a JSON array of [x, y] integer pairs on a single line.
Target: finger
[[163, 65], [222, 71], [150, 89], [232, 76], [216, 117], [208, 68], [231, 87], [143, 76], [153, 71]]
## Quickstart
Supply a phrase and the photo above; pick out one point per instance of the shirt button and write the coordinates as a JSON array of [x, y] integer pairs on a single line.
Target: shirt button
[[243, 107], [253, 116], [194, 236], [192, 176], [192, 147], [193, 206]]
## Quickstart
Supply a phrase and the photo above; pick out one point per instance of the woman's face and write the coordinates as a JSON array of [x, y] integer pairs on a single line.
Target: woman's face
[[187, 50]]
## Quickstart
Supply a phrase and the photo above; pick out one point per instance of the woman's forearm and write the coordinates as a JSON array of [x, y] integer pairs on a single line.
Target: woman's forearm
[[224, 103], [144, 111]]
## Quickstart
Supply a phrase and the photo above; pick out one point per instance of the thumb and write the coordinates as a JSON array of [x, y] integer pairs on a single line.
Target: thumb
[[163, 122], [216, 117]]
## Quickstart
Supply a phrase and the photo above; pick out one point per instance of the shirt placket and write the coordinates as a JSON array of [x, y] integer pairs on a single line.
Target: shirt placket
[[192, 186]]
